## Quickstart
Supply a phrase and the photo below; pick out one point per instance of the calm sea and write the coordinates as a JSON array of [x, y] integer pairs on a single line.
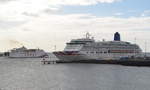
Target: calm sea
[[30, 74]]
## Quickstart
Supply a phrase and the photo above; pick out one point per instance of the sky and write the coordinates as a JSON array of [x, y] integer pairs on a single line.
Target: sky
[[45, 24]]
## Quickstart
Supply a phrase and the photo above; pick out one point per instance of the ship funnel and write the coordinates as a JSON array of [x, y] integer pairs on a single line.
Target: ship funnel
[[116, 36]]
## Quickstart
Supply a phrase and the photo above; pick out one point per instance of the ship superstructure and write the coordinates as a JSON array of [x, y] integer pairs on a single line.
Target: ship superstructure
[[23, 52], [88, 49]]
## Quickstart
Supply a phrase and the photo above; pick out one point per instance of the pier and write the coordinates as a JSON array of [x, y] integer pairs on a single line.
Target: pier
[[48, 62], [115, 62]]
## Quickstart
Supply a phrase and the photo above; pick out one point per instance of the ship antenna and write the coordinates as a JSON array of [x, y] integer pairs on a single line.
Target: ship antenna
[[135, 47], [135, 40], [145, 48], [55, 47], [87, 35]]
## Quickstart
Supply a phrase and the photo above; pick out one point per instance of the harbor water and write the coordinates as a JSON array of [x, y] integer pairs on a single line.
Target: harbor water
[[30, 74]]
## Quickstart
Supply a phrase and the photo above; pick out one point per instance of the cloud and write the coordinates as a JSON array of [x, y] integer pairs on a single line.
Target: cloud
[[146, 13], [9, 24], [67, 2], [30, 14], [48, 30], [14, 43], [4, 1], [25, 10], [38, 23], [118, 14], [36, 6], [81, 2]]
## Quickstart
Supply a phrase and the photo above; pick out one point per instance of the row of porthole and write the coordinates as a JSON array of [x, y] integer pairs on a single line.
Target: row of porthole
[[101, 52]]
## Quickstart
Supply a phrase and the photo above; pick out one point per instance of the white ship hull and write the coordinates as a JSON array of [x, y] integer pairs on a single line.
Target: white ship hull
[[78, 56], [26, 53], [26, 56], [67, 57], [23, 56]]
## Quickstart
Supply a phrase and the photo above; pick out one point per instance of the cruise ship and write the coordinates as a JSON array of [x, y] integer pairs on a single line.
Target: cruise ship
[[23, 52], [89, 49]]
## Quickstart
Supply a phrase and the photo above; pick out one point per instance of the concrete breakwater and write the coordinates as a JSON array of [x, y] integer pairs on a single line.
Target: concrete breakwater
[[117, 62]]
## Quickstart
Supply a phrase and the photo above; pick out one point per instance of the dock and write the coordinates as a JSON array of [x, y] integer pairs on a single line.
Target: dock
[[115, 62], [48, 62]]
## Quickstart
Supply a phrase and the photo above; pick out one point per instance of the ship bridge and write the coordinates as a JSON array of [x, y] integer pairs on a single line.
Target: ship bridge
[[81, 41], [77, 44]]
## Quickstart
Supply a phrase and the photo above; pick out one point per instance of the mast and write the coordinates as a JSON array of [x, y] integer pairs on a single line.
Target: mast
[[135, 40], [135, 47], [145, 47], [54, 47]]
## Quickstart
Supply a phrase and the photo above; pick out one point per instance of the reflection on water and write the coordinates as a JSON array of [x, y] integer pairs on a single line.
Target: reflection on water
[[30, 74]]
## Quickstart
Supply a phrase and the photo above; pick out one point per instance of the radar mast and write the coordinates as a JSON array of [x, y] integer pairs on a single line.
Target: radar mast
[[88, 35]]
